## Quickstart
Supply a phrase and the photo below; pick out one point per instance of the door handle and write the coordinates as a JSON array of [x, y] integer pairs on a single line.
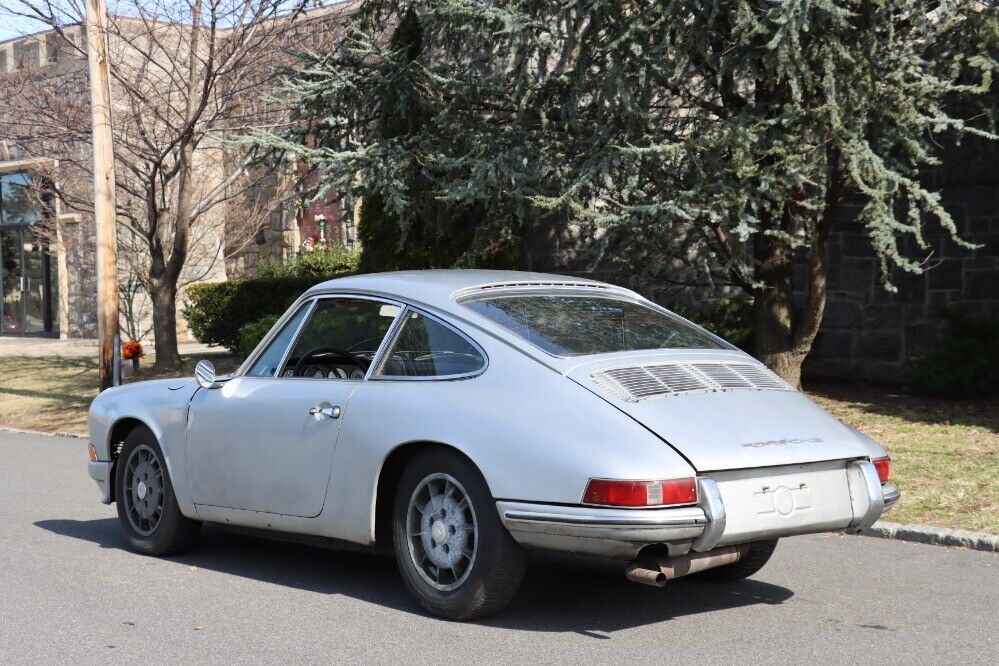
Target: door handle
[[326, 410]]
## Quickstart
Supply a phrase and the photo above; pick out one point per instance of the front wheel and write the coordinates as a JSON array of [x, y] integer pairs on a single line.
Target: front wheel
[[755, 558], [147, 507], [454, 554]]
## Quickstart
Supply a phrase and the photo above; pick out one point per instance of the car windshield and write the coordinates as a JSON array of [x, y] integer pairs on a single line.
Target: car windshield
[[577, 325]]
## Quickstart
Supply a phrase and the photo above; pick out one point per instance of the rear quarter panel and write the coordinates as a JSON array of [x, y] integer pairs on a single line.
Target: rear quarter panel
[[535, 435]]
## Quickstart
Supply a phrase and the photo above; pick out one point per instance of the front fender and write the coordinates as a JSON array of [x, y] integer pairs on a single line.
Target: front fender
[[160, 405]]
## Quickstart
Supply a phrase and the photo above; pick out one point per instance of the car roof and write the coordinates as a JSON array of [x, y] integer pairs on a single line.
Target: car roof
[[442, 287]]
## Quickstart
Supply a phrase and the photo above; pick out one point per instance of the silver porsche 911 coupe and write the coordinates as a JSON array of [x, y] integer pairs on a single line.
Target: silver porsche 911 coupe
[[463, 418]]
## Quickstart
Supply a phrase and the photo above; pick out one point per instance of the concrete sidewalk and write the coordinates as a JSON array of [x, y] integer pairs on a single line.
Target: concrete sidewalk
[[31, 346]]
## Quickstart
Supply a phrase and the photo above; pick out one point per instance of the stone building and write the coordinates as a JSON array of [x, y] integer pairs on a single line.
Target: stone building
[[47, 253], [869, 333]]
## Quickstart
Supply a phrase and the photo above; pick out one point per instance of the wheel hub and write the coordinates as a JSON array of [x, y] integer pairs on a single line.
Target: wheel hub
[[443, 538], [143, 489], [439, 533]]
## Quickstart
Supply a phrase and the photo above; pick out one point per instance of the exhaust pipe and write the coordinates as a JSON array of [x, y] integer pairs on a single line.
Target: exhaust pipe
[[638, 572], [658, 571]]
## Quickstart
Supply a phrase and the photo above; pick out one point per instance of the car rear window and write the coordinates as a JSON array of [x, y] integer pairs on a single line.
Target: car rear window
[[577, 325]]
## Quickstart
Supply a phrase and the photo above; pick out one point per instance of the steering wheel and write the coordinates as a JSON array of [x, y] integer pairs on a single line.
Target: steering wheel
[[316, 351]]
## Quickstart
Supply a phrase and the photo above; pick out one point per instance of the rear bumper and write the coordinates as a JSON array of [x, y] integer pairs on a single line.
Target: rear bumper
[[100, 471], [891, 495], [600, 531], [622, 533]]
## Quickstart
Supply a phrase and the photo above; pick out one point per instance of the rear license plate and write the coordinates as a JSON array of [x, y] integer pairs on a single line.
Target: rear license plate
[[773, 502]]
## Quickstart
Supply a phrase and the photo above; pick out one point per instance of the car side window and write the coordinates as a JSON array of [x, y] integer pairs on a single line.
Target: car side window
[[428, 348], [269, 361], [340, 339]]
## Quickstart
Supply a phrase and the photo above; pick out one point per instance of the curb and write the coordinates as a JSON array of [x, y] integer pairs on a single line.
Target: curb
[[42, 433], [937, 536]]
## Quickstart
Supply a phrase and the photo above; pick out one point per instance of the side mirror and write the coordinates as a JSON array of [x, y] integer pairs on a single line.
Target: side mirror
[[204, 372]]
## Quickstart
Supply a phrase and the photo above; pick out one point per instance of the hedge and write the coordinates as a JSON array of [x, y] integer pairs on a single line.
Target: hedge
[[216, 311], [251, 334]]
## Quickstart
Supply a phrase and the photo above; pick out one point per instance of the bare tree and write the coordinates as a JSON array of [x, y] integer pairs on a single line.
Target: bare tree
[[188, 77]]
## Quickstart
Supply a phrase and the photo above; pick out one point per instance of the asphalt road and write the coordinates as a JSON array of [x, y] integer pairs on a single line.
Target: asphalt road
[[71, 592]]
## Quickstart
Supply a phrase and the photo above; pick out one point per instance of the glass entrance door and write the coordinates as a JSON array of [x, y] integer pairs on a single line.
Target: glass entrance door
[[12, 281], [26, 275], [36, 310], [24, 307]]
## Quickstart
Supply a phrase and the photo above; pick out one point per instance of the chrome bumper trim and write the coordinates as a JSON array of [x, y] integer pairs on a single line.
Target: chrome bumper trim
[[710, 500], [100, 471], [891, 494], [599, 531], [866, 494]]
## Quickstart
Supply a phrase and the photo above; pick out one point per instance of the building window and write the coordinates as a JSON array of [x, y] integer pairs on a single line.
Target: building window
[[16, 205]]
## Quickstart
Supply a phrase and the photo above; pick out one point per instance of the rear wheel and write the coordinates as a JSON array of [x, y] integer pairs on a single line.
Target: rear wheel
[[754, 560], [147, 507], [454, 554]]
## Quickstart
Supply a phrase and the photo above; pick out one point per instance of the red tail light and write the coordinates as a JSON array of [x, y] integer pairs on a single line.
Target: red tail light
[[883, 465], [641, 493]]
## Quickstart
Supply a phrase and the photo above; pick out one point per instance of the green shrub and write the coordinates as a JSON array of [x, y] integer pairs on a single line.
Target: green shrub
[[730, 319], [251, 334], [962, 362], [319, 265], [216, 311]]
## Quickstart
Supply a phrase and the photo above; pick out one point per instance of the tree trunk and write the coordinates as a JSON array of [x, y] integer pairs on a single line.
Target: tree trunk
[[773, 324], [164, 297]]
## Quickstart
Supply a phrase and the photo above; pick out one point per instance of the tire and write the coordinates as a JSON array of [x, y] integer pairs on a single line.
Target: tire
[[147, 507], [758, 555], [487, 565]]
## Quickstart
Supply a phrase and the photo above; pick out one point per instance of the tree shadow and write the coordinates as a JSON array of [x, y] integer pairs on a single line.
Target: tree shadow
[[556, 596], [890, 401]]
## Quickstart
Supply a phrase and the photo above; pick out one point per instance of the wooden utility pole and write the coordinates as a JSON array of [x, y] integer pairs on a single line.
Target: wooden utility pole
[[104, 205]]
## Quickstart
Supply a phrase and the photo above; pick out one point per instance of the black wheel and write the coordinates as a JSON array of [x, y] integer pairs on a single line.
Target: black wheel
[[455, 556], [147, 508], [758, 555]]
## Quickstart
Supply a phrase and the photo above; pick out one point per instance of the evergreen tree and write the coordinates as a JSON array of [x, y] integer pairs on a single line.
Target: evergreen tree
[[385, 243], [712, 140]]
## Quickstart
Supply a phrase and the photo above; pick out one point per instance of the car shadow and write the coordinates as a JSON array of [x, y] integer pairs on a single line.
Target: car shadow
[[558, 594]]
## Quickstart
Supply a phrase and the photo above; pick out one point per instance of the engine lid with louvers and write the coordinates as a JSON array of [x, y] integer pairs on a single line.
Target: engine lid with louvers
[[720, 411], [644, 382]]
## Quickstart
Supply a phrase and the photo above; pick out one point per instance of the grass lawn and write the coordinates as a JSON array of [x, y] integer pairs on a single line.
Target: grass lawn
[[945, 454], [52, 394]]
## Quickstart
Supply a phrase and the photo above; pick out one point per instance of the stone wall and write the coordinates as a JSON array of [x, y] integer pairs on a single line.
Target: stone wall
[[869, 333]]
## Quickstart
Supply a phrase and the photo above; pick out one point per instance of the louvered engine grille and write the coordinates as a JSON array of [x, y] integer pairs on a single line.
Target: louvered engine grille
[[639, 383]]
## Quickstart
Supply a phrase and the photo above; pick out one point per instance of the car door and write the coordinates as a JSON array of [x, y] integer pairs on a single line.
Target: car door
[[264, 440]]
